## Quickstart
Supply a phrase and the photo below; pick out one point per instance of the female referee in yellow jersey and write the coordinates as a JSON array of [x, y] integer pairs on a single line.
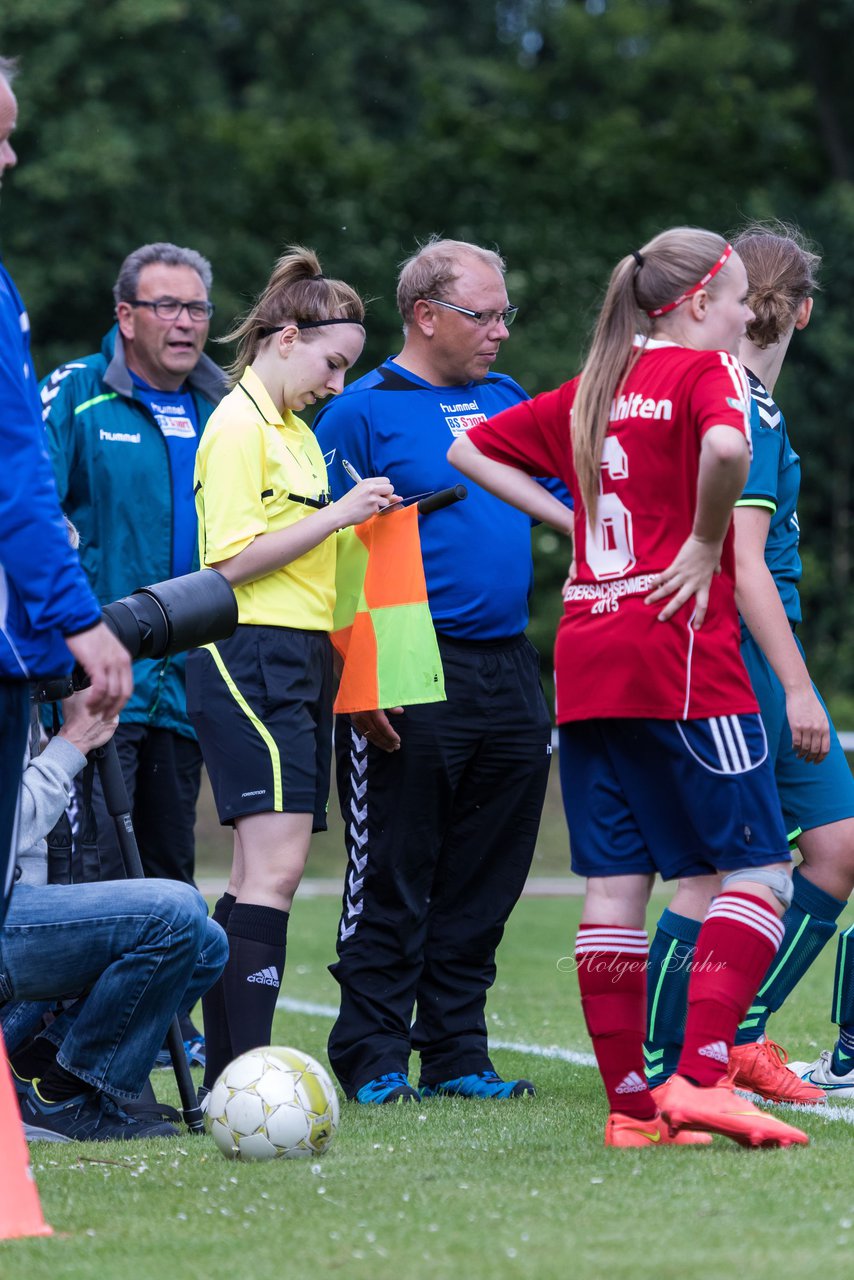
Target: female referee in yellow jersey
[[261, 702]]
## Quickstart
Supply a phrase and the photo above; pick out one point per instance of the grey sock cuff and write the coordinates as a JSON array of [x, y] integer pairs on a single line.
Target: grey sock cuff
[[779, 882]]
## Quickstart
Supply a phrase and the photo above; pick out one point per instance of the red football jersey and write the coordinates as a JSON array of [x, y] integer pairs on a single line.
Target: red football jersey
[[613, 658]]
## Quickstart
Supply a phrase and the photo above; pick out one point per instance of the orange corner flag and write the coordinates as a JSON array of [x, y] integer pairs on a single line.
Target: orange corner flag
[[382, 626], [20, 1208]]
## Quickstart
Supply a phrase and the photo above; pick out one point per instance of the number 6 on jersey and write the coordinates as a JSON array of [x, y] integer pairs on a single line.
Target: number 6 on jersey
[[610, 547]]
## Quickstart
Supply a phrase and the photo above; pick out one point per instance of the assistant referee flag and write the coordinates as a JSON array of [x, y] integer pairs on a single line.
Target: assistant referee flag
[[382, 625]]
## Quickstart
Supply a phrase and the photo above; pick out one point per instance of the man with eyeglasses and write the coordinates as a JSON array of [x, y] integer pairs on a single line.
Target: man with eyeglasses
[[123, 426], [441, 802]]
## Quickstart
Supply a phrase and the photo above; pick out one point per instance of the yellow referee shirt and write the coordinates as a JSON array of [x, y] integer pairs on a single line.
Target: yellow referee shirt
[[252, 468]]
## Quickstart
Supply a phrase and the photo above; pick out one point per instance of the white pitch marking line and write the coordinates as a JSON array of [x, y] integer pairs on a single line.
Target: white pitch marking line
[[825, 1110], [306, 1006], [556, 1053], [546, 1051]]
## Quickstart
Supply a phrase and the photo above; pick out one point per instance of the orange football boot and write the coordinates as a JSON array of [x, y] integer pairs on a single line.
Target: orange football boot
[[720, 1110], [762, 1069], [627, 1131], [725, 1082]]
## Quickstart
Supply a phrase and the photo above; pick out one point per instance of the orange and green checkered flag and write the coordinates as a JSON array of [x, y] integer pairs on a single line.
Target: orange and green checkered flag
[[382, 626]]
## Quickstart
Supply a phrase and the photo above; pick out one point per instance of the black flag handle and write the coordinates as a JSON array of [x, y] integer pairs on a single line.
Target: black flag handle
[[443, 498]]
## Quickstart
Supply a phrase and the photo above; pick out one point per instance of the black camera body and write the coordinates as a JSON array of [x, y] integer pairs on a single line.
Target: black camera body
[[158, 621]]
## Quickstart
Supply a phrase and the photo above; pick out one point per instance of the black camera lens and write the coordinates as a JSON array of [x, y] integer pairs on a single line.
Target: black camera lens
[[156, 622], [140, 624], [198, 608], [175, 615]]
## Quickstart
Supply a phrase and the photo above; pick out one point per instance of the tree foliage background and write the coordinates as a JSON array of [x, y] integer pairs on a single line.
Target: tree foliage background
[[565, 132]]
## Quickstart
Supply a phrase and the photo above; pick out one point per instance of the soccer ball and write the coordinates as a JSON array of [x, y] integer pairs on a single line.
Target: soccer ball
[[271, 1103]]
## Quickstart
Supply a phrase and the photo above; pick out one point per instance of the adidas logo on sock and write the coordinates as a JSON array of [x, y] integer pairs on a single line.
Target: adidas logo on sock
[[717, 1051], [266, 977], [632, 1083]]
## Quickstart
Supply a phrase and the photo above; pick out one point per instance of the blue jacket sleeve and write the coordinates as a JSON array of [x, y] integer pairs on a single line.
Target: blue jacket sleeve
[[34, 548]]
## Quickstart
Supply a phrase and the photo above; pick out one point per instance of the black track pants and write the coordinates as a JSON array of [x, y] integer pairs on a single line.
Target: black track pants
[[440, 836]]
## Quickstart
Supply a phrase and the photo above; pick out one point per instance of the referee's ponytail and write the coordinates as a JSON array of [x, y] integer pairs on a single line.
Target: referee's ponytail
[[296, 293]]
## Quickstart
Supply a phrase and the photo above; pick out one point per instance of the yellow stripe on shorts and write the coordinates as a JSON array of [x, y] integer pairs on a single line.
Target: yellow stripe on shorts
[[258, 724]]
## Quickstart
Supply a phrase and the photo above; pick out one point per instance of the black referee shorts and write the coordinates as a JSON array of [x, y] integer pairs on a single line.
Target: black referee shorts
[[261, 704]]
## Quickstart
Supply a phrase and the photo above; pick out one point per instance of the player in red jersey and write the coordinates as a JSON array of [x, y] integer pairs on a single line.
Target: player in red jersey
[[664, 764]]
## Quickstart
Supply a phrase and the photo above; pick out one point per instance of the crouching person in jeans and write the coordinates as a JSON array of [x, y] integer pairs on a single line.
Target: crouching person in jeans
[[137, 950]]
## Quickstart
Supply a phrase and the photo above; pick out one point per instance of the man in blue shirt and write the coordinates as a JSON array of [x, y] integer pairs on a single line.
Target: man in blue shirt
[[441, 803], [48, 615], [123, 426]]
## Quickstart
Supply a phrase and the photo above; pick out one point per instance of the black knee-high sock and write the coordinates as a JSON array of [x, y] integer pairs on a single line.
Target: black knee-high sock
[[217, 1039], [257, 938]]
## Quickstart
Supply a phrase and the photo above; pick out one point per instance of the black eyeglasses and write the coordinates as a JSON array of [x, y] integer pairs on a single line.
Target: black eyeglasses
[[482, 318], [171, 308]]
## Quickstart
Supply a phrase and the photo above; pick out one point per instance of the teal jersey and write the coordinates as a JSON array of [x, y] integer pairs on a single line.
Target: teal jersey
[[774, 482]]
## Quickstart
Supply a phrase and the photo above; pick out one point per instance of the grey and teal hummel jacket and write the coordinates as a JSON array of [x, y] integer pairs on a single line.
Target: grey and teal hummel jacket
[[112, 472]]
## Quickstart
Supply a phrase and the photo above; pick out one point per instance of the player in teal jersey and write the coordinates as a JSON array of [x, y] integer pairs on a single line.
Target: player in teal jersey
[[813, 778]]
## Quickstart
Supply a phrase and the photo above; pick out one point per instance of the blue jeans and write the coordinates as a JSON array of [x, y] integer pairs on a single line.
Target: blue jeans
[[140, 949]]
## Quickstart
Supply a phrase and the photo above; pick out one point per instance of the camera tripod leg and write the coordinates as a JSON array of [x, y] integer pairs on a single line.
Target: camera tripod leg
[[190, 1109], [118, 806]]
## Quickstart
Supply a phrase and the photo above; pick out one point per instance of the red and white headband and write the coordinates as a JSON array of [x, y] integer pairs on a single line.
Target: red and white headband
[[701, 284]]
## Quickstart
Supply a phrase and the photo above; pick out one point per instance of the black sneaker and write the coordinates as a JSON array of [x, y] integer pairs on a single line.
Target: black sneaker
[[88, 1117]]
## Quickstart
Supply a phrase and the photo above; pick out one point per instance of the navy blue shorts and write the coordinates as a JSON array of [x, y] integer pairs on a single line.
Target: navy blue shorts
[[812, 795], [261, 704], [681, 798]]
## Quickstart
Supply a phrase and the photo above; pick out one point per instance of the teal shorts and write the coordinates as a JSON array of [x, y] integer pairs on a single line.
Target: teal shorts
[[811, 795]]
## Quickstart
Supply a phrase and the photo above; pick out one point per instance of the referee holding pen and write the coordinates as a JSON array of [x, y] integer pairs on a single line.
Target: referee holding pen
[[261, 702]]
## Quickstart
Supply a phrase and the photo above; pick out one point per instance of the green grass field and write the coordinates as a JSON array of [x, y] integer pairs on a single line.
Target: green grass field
[[455, 1189]]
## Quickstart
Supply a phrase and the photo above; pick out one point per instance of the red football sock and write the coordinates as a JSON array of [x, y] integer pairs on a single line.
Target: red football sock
[[612, 976], [739, 939]]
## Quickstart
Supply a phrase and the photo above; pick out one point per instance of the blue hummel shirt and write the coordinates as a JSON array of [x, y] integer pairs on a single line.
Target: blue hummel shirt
[[176, 416], [477, 554]]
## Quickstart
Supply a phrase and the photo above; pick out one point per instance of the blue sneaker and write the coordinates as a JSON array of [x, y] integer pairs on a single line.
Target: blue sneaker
[[390, 1088], [194, 1049], [484, 1084]]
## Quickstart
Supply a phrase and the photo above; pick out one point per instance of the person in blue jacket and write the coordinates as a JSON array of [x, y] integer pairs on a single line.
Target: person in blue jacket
[[48, 614], [123, 426], [441, 803]]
